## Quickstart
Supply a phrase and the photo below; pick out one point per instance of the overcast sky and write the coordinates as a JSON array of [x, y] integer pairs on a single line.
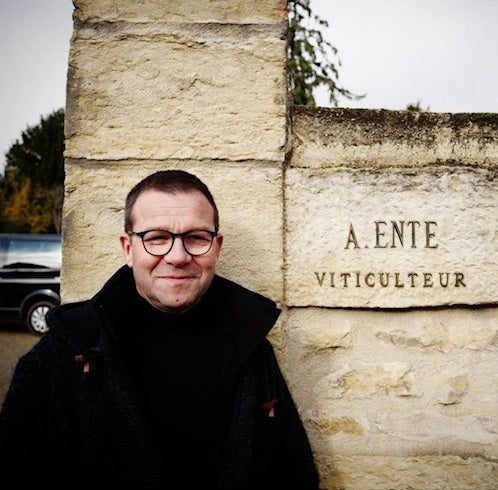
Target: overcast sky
[[34, 48], [442, 53]]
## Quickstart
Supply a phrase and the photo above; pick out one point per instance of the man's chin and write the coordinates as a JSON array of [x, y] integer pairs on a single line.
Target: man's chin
[[175, 305]]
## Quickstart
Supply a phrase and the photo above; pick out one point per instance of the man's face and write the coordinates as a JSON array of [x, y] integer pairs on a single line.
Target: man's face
[[176, 281]]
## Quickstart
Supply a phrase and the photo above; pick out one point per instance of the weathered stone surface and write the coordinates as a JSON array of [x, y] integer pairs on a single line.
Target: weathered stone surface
[[453, 389], [376, 139], [403, 382], [392, 209], [444, 331], [425, 471], [93, 221], [157, 91], [225, 11], [328, 340], [322, 339], [389, 239], [364, 380], [431, 425]]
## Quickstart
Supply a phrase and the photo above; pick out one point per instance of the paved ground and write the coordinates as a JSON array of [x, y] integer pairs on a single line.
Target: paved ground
[[14, 341]]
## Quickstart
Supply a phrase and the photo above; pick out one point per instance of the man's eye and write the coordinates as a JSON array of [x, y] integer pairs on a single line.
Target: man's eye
[[198, 237], [157, 238]]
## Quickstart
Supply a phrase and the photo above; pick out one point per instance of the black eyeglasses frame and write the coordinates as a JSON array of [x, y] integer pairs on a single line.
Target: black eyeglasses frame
[[142, 234]]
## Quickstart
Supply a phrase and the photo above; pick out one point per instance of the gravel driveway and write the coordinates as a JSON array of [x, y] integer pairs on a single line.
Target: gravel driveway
[[13, 343]]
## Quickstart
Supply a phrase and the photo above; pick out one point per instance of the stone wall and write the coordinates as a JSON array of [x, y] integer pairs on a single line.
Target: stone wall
[[375, 231], [391, 329]]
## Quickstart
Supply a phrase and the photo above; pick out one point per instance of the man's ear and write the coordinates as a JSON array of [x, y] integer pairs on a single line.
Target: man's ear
[[219, 244], [125, 241], [219, 241]]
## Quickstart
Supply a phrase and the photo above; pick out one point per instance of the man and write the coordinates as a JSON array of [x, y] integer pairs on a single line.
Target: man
[[164, 379]]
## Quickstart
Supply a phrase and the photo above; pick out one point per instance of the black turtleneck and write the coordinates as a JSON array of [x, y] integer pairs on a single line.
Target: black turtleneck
[[179, 365]]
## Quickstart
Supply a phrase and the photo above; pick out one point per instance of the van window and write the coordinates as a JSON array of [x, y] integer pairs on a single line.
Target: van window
[[42, 253]]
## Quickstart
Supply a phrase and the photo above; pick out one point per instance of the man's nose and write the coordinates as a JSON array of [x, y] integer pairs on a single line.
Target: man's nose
[[177, 255]]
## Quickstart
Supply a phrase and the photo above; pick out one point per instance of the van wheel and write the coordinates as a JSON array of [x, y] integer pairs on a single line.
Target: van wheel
[[35, 317]]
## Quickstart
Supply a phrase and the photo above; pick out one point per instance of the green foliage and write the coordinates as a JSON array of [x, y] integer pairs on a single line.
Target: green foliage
[[309, 56], [416, 107], [31, 191]]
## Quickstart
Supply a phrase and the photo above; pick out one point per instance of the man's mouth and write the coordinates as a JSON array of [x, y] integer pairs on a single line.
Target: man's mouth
[[177, 278]]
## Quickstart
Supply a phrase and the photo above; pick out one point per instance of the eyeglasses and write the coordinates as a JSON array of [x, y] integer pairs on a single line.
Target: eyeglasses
[[160, 242]]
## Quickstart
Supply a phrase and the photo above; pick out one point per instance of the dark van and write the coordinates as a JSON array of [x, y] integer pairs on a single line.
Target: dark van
[[30, 267]]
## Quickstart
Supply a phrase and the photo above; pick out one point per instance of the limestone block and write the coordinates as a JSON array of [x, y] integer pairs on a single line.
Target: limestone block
[[425, 471], [432, 425], [389, 239], [365, 380], [314, 338], [451, 330], [319, 336], [248, 199], [334, 425], [439, 345], [360, 138], [226, 11], [157, 91], [403, 382]]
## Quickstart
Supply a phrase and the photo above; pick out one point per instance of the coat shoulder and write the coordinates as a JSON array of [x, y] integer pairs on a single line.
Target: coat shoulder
[[76, 321]]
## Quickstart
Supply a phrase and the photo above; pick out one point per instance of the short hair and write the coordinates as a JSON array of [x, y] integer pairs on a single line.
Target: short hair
[[169, 181]]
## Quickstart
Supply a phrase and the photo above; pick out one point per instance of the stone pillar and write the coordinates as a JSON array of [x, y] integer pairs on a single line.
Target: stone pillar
[[194, 85]]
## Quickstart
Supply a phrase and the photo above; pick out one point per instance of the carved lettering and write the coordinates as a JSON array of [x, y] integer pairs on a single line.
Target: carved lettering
[[459, 280], [370, 279], [398, 230], [332, 285], [400, 234], [413, 225], [444, 283], [352, 238], [357, 274], [384, 281], [345, 276], [394, 279], [320, 277], [427, 280], [412, 276], [395, 234], [429, 234], [397, 282], [379, 234]]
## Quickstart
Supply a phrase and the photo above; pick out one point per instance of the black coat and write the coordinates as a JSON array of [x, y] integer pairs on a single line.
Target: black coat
[[70, 417]]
